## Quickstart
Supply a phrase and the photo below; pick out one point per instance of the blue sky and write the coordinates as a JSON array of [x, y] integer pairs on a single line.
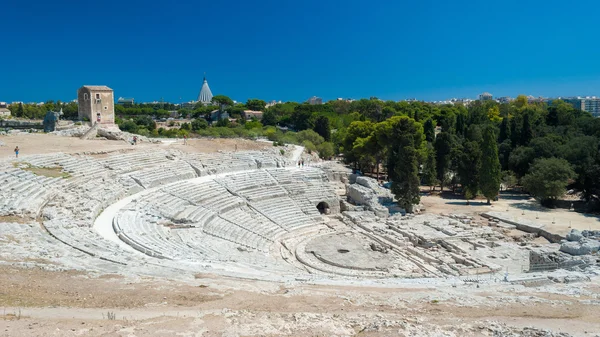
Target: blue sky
[[291, 50]]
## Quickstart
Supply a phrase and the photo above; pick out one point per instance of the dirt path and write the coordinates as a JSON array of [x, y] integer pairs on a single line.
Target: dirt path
[[32, 143], [40, 303]]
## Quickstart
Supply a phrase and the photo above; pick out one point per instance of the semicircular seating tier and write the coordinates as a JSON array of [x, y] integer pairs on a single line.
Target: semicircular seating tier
[[67, 192]]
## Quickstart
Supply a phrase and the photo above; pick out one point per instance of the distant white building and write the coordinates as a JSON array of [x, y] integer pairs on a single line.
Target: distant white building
[[125, 100], [272, 103], [315, 100], [590, 104], [486, 96]]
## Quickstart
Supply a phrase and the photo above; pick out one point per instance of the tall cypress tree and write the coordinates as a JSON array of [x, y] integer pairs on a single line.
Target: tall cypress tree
[[403, 160], [429, 169], [322, 128], [429, 129], [460, 124], [504, 130], [490, 165], [515, 135], [526, 131], [443, 150], [469, 164], [20, 112]]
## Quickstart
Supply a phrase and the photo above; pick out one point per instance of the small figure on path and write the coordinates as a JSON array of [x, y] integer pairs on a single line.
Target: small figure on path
[[17, 152], [184, 140], [134, 140]]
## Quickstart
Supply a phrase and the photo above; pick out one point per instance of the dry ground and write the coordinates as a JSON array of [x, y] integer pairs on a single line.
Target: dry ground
[[43, 303], [517, 206], [43, 143]]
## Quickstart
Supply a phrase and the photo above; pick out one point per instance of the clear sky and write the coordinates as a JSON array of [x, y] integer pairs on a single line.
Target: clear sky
[[291, 50]]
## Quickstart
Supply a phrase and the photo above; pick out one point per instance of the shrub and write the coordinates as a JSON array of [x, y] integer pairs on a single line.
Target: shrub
[[309, 135], [199, 124], [325, 150], [309, 146]]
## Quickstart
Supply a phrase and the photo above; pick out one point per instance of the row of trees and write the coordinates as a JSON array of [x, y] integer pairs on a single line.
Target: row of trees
[[38, 111], [544, 148]]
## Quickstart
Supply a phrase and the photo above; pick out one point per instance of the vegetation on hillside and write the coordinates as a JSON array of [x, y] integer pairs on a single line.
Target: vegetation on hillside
[[474, 150]]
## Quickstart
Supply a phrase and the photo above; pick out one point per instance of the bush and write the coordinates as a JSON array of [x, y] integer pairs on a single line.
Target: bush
[[143, 132], [325, 150], [254, 124], [309, 135], [186, 126], [129, 126], [199, 124], [548, 178], [309, 146], [223, 122]]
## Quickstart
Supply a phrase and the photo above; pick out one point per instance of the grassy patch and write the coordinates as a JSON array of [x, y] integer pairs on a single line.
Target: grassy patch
[[15, 219], [53, 172]]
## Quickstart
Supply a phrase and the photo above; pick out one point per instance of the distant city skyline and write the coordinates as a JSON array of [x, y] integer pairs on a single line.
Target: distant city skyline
[[291, 51]]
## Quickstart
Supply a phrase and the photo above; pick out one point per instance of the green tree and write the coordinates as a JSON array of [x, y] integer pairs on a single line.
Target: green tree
[[199, 124], [521, 101], [403, 159], [309, 135], [356, 130], [526, 131], [223, 102], [504, 131], [269, 118], [443, 148], [429, 129], [256, 104], [493, 114], [253, 124], [515, 134], [302, 118], [322, 127], [548, 178], [325, 150], [469, 167], [223, 122], [520, 160], [460, 125], [429, 169], [309, 146], [146, 122], [490, 165]]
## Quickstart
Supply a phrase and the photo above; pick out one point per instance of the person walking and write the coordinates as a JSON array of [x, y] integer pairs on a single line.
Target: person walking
[[184, 140], [17, 152]]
